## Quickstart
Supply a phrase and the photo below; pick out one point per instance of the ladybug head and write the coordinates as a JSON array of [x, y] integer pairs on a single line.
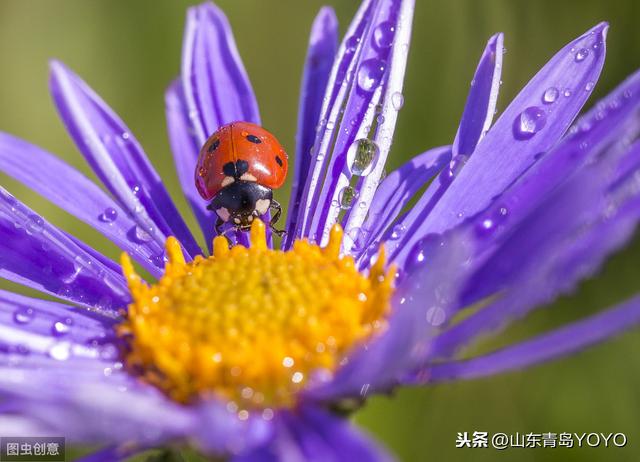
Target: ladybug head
[[241, 202]]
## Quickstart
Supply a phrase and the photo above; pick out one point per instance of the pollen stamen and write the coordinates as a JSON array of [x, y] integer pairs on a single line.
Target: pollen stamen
[[251, 325]]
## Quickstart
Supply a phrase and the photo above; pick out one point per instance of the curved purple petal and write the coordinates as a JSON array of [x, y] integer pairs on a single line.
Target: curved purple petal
[[37, 254], [310, 434], [368, 71], [565, 241], [216, 85], [185, 146], [393, 194], [73, 192], [602, 135], [323, 44], [216, 91], [532, 124], [422, 303], [110, 409], [31, 328], [119, 161], [483, 97], [546, 347]]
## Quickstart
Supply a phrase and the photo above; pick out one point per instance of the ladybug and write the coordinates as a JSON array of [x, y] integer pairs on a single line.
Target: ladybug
[[237, 170]]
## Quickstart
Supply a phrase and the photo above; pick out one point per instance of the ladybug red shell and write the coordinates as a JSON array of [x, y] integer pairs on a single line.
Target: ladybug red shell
[[237, 169]]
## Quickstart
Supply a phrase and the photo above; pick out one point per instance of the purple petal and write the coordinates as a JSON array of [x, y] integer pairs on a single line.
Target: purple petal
[[73, 192], [393, 194], [323, 45], [218, 429], [369, 71], [185, 146], [109, 410], [216, 85], [309, 434], [526, 128], [422, 304], [483, 97], [565, 241], [118, 160], [37, 254], [601, 135], [31, 328], [215, 91], [546, 347]]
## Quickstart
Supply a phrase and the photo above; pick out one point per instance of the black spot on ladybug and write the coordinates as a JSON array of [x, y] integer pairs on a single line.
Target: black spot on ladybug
[[242, 167], [254, 139], [229, 169], [214, 146], [279, 161]]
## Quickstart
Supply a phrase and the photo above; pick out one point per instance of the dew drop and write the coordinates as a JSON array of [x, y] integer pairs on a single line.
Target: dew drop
[[581, 55], [297, 377], [370, 74], [23, 315], [108, 216], [397, 231], [362, 155], [567, 92], [383, 35], [589, 86], [352, 44], [550, 95], [397, 100], [436, 316], [35, 224], [455, 167], [141, 234], [529, 122], [60, 351], [346, 197], [61, 327]]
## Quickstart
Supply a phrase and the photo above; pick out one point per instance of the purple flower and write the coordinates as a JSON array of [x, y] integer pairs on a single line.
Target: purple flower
[[515, 214]]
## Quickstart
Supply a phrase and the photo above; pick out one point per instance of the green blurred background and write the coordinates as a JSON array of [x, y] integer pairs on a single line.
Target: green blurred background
[[128, 51]]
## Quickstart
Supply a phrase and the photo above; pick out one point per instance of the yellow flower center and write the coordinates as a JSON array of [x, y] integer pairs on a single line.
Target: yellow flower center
[[251, 326]]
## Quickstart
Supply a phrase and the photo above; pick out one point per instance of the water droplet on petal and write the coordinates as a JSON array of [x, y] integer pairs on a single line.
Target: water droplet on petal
[[567, 92], [455, 167], [370, 74], [61, 327], [383, 35], [35, 224], [550, 95], [346, 197], [581, 55], [529, 122], [397, 231], [352, 43], [23, 315], [436, 316], [361, 156], [397, 100], [589, 86], [141, 234], [109, 215], [60, 351]]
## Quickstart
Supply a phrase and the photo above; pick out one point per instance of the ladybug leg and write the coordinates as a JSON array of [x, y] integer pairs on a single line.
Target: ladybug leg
[[219, 225], [276, 216]]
